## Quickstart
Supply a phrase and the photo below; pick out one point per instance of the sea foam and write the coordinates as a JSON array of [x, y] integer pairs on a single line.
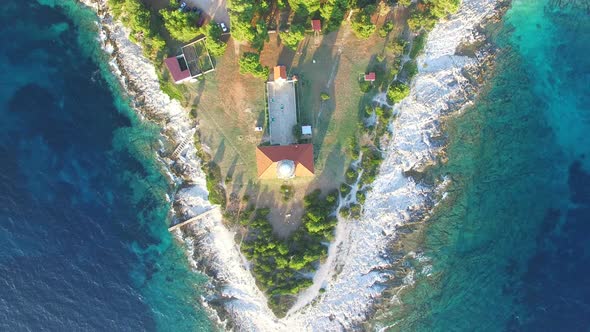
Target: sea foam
[[356, 268]]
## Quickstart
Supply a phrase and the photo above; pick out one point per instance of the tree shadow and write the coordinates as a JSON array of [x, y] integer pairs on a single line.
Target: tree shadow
[[200, 87], [220, 152]]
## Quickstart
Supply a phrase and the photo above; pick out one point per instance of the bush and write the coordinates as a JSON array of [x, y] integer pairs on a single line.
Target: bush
[[324, 96], [361, 197], [135, 16], [181, 25], [418, 45], [397, 91], [345, 212], [384, 114], [344, 189], [215, 46], [411, 67], [287, 192], [365, 86], [292, 38], [213, 180], [385, 29], [250, 63], [362, 26], [332, 11], [421, 21], [355, 210], [351, 175]]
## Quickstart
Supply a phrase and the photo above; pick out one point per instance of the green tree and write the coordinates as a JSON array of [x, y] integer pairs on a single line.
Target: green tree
[[362, 26], [214, 43], [385, 29], [250, 63], [397, 91], [181, 25], [292, 38]]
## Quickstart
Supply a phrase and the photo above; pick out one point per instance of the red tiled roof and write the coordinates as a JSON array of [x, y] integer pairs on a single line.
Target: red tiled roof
[[316, 25], [174, 67], [370, 76], [280, 72], [267, 158]]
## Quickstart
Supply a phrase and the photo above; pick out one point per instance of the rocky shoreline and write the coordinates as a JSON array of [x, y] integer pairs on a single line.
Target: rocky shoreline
[[363, 257]]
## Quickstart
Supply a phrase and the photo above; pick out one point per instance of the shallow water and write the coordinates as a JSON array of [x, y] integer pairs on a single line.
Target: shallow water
[[508, 248], [83, 211]]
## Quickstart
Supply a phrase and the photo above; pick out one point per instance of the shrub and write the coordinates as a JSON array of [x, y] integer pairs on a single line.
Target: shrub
[[355, 210], [213, 180], [362, 26], [345, 212], [287, 192], [421, 21], [250, 63], [324, 96], [344, 189], [361, 197], [215, 46], [411, 68], [418, 45], [181, 25], [397, 91], [365, 86], [292, 38], [135, 16], [351, 175], [385, 29]]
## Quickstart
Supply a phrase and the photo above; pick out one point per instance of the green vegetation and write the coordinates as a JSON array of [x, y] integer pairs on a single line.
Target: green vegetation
[[280, 265], [214, 43], [365, 86], [287, 191], [247, 25], [411, 68], [181, 25], [418, 45], [397, 91], [135, 16], [333, 11], [385, 29], [250, 64], [325, 96], [362, 26], [292, 38], [425, 15]]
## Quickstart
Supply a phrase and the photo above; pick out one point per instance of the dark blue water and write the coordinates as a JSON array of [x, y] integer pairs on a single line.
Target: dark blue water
[[83, 212]]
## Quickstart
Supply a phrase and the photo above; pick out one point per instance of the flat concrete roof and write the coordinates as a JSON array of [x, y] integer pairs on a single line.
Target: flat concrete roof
[[282, 112]]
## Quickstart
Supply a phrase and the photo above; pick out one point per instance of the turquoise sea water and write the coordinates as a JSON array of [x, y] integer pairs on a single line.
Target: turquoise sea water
[[83, 213], [509, 249]]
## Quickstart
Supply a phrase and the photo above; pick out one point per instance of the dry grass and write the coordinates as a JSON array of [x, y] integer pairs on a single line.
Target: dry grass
[[229, 106]]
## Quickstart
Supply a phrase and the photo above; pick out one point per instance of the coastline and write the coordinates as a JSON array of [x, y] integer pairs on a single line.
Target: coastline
[[360, 250]]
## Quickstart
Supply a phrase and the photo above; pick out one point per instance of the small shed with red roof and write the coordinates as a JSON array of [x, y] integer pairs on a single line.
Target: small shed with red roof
[[316, 25], [370, 77]]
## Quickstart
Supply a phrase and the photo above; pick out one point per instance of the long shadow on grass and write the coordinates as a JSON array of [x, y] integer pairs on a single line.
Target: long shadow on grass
[[220, 152], [200, 87]]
